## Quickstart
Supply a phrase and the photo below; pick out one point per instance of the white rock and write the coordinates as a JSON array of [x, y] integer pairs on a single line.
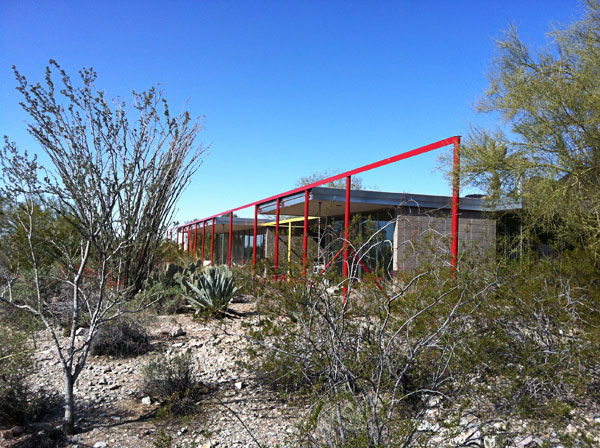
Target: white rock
[[147, 400], [100, 444], [239, 385]]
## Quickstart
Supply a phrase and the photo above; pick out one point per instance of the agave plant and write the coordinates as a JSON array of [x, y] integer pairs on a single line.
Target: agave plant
[[210, 289]]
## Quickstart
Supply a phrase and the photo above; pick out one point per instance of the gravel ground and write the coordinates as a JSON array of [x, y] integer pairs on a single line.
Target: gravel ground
[[111, 411]]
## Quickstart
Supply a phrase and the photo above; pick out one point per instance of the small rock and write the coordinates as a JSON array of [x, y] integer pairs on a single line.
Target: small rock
[[146, 401], [239, 385], [114, 386], [179, 344], [100, 444], [80, 331], [17, 431], [177, 332], [523, 442], [571, 429]]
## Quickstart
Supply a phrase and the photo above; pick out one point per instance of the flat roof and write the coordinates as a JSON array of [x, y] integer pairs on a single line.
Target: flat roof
[[324, 201]]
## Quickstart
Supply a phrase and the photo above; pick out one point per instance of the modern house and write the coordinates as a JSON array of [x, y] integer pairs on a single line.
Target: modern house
[[320, 227]]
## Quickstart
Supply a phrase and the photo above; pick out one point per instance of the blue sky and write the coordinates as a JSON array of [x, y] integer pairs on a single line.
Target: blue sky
[[287, 88]]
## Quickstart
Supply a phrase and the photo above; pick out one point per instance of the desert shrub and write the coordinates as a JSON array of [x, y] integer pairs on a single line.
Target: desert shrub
[[19, 403], [370, 366], [173, 381], [536, 339], [121, 338]]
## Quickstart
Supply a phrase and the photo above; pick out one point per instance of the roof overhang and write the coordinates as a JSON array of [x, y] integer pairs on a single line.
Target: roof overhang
[[327, 202]]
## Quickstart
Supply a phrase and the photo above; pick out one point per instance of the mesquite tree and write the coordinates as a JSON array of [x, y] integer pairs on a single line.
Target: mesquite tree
[[115, 175], [546, 150]]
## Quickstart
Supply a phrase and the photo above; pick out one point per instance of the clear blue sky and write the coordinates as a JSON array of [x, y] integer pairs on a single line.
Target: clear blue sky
[[287, 88]]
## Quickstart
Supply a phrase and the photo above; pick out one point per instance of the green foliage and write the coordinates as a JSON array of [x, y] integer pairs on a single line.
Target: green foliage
[[356, 183], [163, 440], [19, 404], [174, 383], [549, 155], [121, 338], [536, 340], [210, 290]]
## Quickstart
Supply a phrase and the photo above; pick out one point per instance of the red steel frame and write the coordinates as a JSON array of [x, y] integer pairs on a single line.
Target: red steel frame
[[203, 235], [455, 141], [195, 238]]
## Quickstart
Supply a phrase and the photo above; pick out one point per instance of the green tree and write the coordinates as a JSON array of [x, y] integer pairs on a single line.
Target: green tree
[[115, 173], [356, 183], [547, 150]]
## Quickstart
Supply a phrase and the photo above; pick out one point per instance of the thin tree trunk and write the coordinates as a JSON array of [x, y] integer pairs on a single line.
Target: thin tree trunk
[[69, 419]]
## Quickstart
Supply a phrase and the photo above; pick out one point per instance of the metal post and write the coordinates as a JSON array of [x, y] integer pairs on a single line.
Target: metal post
[[212, 243], [230, 236], [304, 247], [189, 238], [276, 237], [455, 205], [289, 247], [203, 236], [195, 238], [346, 223], [182, 239], [255, 232]]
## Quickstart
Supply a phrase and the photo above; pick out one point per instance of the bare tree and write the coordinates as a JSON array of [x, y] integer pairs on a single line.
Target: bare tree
[[116, 173]]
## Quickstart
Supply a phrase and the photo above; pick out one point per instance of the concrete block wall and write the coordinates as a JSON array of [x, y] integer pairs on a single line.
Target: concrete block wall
[[421, 235]]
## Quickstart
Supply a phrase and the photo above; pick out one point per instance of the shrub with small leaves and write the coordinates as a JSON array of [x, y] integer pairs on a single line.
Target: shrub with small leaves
[[173, 381]]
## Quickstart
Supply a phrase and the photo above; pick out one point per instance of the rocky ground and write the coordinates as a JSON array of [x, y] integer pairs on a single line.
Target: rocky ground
[[238, 412], [113, 412]]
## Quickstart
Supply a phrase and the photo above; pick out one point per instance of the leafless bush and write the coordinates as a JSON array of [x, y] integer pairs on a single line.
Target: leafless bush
[[376, 363], [122, 338]]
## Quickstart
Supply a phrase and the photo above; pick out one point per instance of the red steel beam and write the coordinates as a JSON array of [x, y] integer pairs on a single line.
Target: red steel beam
[[276, 237], [255, 232], [304, 244], [455, 205], [230, 235], [196, 239], [346, 224], [396, 158], [212, 243]]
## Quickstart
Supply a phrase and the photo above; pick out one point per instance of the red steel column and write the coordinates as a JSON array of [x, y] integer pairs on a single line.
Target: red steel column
[[182, 239], [305, 233], [230, 235], [346, 223], [212, 243], [203, 235], [455, 205], [195, 238], [255, 232], [277, 237], [189, 238]]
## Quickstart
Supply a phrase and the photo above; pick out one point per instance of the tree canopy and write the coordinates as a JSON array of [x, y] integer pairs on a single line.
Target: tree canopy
[[356, 183], [546, 150]]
